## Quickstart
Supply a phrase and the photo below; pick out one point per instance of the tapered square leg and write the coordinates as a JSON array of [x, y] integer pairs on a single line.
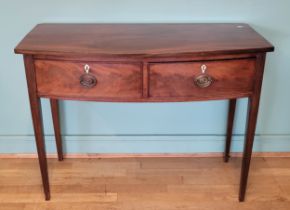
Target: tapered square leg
[[253, 107], [35, 106], [231, 116], [56, 125], [250, 134]]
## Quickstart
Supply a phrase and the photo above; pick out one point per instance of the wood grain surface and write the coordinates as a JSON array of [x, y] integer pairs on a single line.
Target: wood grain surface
[[230, 78], [114, 80], [142, 40], [145, 183]]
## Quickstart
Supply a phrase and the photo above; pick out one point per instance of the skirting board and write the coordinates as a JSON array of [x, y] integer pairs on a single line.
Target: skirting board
[[144, 144], [161, 155]]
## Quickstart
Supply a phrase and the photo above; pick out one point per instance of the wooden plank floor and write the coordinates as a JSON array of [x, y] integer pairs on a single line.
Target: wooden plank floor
[[145, 184]]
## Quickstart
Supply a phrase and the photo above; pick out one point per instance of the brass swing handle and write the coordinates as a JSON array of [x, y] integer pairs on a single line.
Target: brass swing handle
[[87, 79], [203, 81]]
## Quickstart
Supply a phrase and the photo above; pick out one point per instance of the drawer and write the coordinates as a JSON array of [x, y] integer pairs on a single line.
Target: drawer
[[102, 80], [202, 80]]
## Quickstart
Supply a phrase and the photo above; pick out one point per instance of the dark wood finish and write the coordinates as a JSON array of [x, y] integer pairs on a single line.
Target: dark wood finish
[[56, 125], [145, 80], [231, 78], [144, 63], [37, 122], [142, 40], [164, 59], [253, 107], [114, 80], [231, 116]]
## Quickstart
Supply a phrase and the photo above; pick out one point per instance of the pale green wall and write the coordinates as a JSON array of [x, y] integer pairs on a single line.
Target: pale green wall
[[120, 127]]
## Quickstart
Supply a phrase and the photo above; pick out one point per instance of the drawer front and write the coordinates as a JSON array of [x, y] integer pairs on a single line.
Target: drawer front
[[70, 80], [202, 80]]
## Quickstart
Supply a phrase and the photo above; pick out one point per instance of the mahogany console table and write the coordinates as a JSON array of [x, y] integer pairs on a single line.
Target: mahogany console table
[[144, 63]]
